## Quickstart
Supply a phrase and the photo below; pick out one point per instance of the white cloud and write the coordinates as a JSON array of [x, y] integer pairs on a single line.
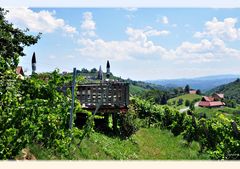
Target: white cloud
[[69, 29], [225, 29], [204, 51], [88, 25], [43, 21], [136, 46], [143, 34], [118, 50], [165, 20]]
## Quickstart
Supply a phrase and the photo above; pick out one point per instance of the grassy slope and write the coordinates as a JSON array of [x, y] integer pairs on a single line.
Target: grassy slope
[[136, 90], [211, 112], [185, 97], [146, 144]]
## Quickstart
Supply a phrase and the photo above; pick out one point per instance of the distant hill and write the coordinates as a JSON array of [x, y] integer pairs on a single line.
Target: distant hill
[[203, 83], [230, 90]]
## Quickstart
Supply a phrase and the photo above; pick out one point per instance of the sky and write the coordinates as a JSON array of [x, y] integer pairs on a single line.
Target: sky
[[140, 43]]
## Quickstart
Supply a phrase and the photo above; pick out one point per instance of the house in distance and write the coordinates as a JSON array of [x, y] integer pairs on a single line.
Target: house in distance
[[212, 101]]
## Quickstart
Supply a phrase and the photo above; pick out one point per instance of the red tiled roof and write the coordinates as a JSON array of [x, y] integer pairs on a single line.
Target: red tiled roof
[[207, 99], [220, 95], [211, 103]]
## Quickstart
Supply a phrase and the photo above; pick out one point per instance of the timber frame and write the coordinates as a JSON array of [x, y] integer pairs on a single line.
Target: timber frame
[[112, 96]]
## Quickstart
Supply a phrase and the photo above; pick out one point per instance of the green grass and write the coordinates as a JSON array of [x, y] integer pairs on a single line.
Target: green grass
[[185, 97], [146, 144], [136, 90], [211, 112]]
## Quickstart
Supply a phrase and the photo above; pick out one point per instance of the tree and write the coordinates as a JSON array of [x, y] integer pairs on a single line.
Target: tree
[[187, 89], [93, 70], [84, 70], [187, 103], [164, 99], [198, 92], [180, 101], [192, 107], [12, 43]]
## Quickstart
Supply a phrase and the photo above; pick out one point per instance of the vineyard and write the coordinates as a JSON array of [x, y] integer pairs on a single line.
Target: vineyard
[[35, 112], [219, 136]]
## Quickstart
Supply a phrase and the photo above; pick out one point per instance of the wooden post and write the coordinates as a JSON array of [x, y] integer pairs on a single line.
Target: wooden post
[[72, 106], [114, 120]]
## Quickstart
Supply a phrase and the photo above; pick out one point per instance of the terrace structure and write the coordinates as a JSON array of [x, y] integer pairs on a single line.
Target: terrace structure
[[106, 98]]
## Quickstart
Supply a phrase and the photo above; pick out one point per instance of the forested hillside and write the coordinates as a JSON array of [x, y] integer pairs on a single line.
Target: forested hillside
[[231, 90]]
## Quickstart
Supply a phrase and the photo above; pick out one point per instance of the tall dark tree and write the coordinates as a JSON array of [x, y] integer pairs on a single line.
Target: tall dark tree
[[187, 89], [12, 43], [164, 99], [198, 92]]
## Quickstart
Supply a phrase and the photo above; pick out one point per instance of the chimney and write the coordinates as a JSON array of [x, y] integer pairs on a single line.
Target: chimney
[[108, 70], [34, 63]]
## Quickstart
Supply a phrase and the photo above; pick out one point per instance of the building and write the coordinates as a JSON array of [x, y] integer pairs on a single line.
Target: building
[[19, 70], [212, 101], [192, 91], [218, 96]]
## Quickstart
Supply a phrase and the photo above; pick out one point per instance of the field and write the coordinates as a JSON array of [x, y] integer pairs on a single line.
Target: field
[[211, 112], [190, 97], [146, 144]]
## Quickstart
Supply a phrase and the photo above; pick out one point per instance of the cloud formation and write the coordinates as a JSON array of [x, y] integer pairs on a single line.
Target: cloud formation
[[225, 29], [88, 25], [43, 21]]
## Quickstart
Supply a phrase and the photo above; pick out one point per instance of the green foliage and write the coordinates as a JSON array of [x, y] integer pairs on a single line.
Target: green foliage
[[34, 111], [12, 42], [127, 125], [145, 144], [158, 96], [187, 89], [231, 90], [180, 102], [187, 103], [230, 103], [192, 105], [198, 92], [215, 135], [191, 97]]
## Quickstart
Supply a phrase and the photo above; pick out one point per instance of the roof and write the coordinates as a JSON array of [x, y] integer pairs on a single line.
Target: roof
[[211, 104], [220, 95], [207, 99], [19, 70]]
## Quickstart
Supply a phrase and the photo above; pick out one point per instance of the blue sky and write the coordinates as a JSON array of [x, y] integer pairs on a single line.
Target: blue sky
[[140, 43]]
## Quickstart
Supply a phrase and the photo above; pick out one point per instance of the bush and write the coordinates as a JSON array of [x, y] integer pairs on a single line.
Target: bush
[[187, 103], [180, 101]]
